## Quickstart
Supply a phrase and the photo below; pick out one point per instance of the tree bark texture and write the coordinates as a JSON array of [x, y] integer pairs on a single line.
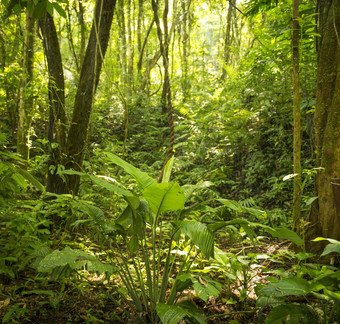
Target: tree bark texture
[[325, 219], [25, 97], [89, 78], [166, 94], [297, 120], [57, 118]]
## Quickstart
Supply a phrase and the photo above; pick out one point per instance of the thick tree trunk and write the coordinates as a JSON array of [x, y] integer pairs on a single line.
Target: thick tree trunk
[[57, 119], [25, 97], [325, 219], [89, 78]]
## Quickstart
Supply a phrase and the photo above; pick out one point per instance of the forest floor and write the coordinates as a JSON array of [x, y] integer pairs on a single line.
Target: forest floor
[[31, 299]]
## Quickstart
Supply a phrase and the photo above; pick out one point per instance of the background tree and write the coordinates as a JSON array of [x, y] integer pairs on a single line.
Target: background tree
[[25, 107], [325, 218], [297, 194]]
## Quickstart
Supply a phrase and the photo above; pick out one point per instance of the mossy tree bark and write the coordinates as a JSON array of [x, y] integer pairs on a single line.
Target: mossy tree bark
[[88, 82], [324, 218], [25, 106], [297, 120], [166, 100], [57, 117], [69, 151]]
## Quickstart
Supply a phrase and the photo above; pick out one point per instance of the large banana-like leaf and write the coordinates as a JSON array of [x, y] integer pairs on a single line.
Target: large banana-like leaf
[[287, 287], [163, 197], [200, 234], [102, 182], [142, 178], [204, 286], [168, 169], [75, 259], [173, 314], [292, 314], [170, 314]]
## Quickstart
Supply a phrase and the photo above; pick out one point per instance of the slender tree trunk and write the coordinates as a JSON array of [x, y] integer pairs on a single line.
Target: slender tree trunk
[[89, 78], [122, 33], [228, 38], [25, 107], [325, 217], [130, 51], [185, 46], [297, 120], [57, 118], [166, 94], [82, 33]]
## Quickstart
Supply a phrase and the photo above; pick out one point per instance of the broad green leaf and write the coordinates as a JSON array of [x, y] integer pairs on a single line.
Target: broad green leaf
[[168, 169], [330, 248], [219, 225], [19, 179], [287, 287], [170, 314], [49, 7], [264, 301], [283, 233], [31, 179], [58, 258], [200, 234], [163, 197], [205, 288], [190, 189], [94, 212], [40, 9], [75, 259], [195, 315], [59, 9], [142, 178], [221, 257], [232, 204], [173, 314], [330, 240], [292, 314], [310, 200], [104, 183]]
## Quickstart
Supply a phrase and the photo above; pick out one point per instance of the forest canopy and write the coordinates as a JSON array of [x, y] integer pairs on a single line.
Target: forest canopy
[[169, 161]]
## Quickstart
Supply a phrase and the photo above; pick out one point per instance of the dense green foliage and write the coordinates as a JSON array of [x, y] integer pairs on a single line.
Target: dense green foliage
[[210, 240]]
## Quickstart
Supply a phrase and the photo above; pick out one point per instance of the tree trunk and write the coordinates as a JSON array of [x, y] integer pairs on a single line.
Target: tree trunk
[[297, 121], [25, 97], [325, 218], [228, 37], [89, 78], [166, 94], [57, 118], [122, 34], [82, 33]]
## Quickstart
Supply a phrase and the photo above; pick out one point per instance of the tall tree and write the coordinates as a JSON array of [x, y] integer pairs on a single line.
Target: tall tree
[[25, 98], [56, 88], [297, 119], [166, 93], [88, 82], [70, 149], [325, 218]]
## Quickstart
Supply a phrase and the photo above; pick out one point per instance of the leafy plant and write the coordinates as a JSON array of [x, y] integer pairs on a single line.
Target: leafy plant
[[147, 223], [311, 281]]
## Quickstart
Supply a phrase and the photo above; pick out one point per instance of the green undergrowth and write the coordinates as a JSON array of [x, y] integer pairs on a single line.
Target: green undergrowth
[[155, 253]]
